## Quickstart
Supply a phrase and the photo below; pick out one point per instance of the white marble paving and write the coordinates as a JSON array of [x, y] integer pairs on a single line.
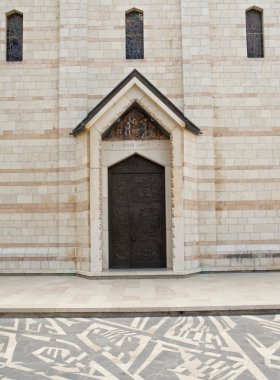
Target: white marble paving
[[219, 291]]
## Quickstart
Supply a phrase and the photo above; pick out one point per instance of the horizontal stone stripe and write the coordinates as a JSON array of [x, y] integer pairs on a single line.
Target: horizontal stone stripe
[[39, 258], [193, 166], [271, 130], [193, 179], [203, 23], [199, 107], [30, 135], [216, 132], [45, 170], [173, 96], [43, 63], [231, 167], [38, 28], [233, 242], [105, 39], [72, 25], [122, 27], [217, 95], [228, 132], [196, 60], [107, 62], [190, 24], [72, 96], [71, 108], [231, 205], [30, 63], [97, 97], [39, 109], [53, 133], [236, 60], [44, 208], [226, 180], [237, 256], [193, 205], [4, 247], [248, 205], [186, 164], [73, 62], [230, 107], [28, 98], [46, 183], [240, 167]]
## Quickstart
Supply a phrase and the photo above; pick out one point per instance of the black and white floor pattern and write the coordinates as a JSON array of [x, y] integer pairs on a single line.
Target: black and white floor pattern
[[184, 348]]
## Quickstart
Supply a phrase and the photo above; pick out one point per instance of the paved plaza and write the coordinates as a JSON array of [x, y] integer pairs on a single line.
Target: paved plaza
[[69, 342], [184, 347], [201, 292]]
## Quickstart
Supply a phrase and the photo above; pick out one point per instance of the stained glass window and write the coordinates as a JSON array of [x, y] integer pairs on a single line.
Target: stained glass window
[[134, 35], [254, 30], [14, 37]]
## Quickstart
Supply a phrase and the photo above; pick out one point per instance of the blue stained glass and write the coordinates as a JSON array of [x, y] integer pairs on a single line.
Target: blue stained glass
[[254, 31], [134, 35], [14, 37]]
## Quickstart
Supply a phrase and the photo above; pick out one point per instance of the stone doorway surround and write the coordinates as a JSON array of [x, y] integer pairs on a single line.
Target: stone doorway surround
[[169, 153], [117, 151]]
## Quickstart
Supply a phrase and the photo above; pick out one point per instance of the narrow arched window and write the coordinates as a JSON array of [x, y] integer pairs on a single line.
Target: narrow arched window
[[14, 36], [254, 30], [134, 34]]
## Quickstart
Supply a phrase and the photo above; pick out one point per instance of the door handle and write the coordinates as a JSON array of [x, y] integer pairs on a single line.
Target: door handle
[[133, 238]]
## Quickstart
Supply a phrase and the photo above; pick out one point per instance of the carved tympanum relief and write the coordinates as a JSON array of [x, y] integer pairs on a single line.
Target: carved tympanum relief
[[135, 125]]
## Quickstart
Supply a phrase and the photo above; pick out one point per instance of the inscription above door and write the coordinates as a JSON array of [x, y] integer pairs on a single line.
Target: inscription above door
[[137, 214]]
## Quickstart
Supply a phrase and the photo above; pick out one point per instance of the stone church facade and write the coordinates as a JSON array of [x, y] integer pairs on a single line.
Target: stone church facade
[[157, 149]]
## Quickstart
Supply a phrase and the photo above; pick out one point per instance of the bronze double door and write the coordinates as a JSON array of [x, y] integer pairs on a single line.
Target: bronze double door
[[137, 214]]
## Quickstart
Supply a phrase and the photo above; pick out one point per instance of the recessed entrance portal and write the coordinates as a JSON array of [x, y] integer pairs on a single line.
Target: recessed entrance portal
[[137, 214]]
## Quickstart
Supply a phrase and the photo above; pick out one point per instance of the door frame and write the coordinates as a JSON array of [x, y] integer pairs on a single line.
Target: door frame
[[158, 152]]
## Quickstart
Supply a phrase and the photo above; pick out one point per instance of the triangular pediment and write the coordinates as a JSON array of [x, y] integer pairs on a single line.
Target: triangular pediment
[[135, 124], [135, 88]]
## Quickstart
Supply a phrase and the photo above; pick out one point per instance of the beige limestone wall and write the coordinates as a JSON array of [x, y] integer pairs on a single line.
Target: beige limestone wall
[[247, 139], [162, 47], [197, 80], [73, 228], [235, 101], [195, 53], [29, 142]]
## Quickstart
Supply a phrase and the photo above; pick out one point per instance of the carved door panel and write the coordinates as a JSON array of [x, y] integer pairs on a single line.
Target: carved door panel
[[137, 214]]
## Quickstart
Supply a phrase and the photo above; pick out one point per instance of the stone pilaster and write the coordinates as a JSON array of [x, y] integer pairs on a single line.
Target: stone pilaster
[[197, 83], [73, 107]]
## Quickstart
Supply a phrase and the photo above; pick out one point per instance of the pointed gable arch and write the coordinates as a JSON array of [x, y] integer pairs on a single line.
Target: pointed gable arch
[[143, 89]]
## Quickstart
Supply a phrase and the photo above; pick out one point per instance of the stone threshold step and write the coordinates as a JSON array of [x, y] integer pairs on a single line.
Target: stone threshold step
[[137, 273], [137, 311]]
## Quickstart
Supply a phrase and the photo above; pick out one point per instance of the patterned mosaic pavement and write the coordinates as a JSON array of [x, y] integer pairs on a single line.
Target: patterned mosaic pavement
[[216, 348]]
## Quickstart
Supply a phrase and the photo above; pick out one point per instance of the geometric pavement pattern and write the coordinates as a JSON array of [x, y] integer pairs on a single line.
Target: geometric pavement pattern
[[202, 347]]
